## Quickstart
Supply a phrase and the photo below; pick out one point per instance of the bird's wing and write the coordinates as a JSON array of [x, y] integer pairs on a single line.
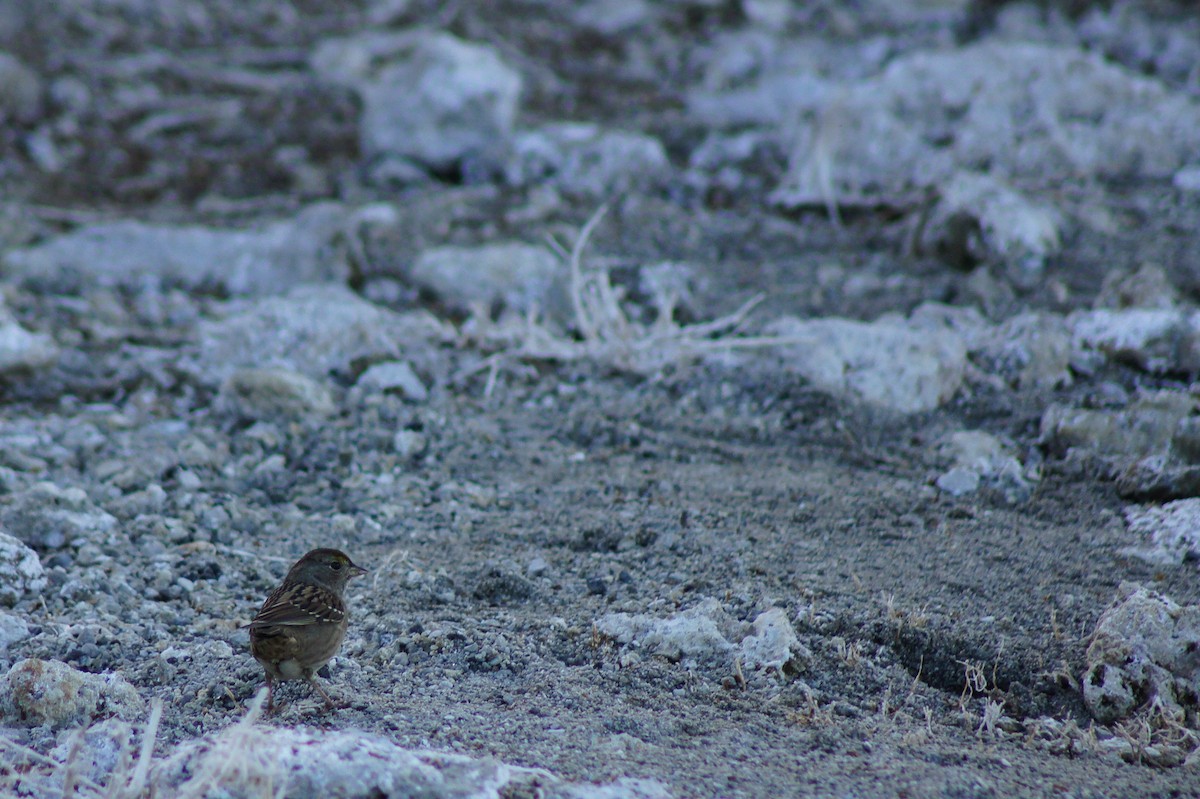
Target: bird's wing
[[296, 605]]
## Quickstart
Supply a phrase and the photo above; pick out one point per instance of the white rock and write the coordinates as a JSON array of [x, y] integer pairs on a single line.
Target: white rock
[[587, 160], [397, 376], [1142, 650], [1029, 350], [100, 750], [1149, 286], [1187, 179], [313, 330], [12, 629], [21, 572], [696, 633], [1015, 231], [611, 17], [521, 276], [773, 644], [977, 456], [21, 350], [409, 443], [1145, 428], [1148, 338], [267, 394], [306, 763], [1171, 531], [888, 363], [426, 95], [256, 261], [1027, 111], [958, 481], [51, 693]]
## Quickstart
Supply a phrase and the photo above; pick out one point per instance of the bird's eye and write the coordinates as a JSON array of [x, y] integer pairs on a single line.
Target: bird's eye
[[336, 565]]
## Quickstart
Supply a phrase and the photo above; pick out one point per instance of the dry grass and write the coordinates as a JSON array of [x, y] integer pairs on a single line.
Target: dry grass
[[129, 780], [239, 757], [606, 334]]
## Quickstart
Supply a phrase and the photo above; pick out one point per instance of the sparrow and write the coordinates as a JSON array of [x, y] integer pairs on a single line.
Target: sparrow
[[300, 626]]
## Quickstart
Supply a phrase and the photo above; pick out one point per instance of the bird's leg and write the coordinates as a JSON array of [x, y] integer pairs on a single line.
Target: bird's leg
[[270, 695], [329, 703]]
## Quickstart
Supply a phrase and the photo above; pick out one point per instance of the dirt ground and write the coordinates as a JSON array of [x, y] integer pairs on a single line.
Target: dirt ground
[[565, 492]]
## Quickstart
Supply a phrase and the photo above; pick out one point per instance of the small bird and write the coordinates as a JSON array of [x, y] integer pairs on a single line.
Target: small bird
[[300, 626]]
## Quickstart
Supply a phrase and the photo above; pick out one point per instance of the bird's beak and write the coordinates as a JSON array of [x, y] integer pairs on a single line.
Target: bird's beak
[[357, 571]]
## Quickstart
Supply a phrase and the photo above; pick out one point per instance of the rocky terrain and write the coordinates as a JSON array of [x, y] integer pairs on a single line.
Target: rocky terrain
[[729, 398]]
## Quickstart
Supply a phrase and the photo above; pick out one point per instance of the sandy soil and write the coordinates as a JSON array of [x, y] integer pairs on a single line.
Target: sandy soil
[[569, 492]]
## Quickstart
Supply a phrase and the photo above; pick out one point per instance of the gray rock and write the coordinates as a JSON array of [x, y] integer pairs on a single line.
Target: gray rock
[[313, 330], [521, 276], [241, 262], [51, 693], [103, 747], [587, 160], [49, 517], [1144, 649], [21, 572], [426, 95], [891, 363], [267, 394]]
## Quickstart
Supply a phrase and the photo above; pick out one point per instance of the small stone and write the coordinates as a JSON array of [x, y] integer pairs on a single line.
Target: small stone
[[21, 350], [12, 629], [597, 585], [774, 644], [958, 481], [981, 219], [409, 443], [1187, 179], [392, 376], [267, 394], [586, 160]]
